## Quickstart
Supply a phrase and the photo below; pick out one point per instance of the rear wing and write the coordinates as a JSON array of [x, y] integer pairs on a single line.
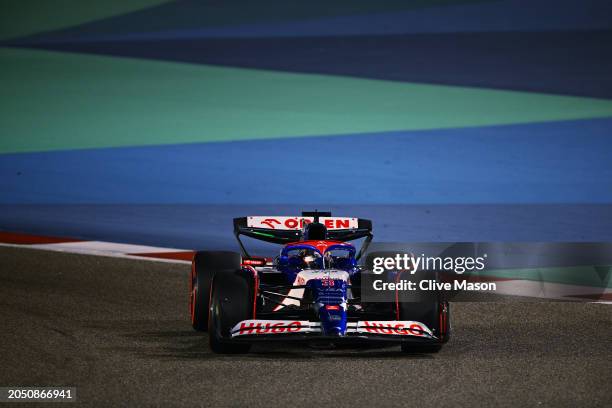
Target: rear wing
[[285, 229]]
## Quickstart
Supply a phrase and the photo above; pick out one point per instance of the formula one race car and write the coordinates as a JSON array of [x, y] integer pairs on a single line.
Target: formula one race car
[[310, 292]]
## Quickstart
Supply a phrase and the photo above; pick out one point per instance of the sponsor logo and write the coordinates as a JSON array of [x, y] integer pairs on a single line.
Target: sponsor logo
[[297, 223], [267, 327], [270, 222], [271, 327], [337, 223], [395, 328]]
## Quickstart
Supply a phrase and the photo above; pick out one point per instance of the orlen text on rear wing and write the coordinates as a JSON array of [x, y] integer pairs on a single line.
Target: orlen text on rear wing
[[285, 229]]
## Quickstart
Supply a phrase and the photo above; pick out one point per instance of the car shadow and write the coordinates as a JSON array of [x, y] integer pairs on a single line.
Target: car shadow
[[188, 344]]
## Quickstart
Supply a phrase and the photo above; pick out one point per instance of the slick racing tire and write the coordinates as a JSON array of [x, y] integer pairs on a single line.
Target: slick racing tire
[[429, 308], [204, 266], [231, 302], [436, 316]]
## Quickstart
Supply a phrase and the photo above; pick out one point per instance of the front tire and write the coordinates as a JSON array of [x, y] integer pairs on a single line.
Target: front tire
[[429, 308], [204, 266], [231, 302]]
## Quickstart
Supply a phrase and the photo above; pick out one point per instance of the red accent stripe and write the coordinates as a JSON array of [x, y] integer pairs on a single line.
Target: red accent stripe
[[441, 320], [27, 239], [254, 261], [192, 294], [443, 316], [255, 296], [255, 288], [179, 256], [446, 306], [397, 306]]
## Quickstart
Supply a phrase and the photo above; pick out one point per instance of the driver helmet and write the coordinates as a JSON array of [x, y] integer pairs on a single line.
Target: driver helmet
[[311, 259]]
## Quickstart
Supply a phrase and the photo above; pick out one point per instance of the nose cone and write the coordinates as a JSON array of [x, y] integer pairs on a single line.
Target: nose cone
[[333, 320]]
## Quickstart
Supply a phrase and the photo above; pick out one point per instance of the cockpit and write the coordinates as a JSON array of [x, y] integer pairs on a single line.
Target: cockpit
[[304, 257]]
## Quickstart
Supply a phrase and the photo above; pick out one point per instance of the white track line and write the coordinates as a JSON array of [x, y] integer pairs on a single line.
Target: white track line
[[108, 249]]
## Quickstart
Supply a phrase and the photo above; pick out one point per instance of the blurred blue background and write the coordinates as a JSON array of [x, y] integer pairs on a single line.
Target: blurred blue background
[[156, 122]]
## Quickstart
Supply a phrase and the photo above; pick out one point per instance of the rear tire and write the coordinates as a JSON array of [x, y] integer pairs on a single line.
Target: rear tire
[[231, 302], [204, 266]]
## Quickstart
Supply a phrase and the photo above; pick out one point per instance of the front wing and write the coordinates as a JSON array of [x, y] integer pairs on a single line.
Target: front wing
[[302, 329]]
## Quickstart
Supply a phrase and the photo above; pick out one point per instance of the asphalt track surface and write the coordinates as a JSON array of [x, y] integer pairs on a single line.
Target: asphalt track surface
[[118, 330]]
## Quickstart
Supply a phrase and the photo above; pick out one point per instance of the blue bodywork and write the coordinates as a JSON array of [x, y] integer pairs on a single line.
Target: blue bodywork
[[330, 303], [329, 294]]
